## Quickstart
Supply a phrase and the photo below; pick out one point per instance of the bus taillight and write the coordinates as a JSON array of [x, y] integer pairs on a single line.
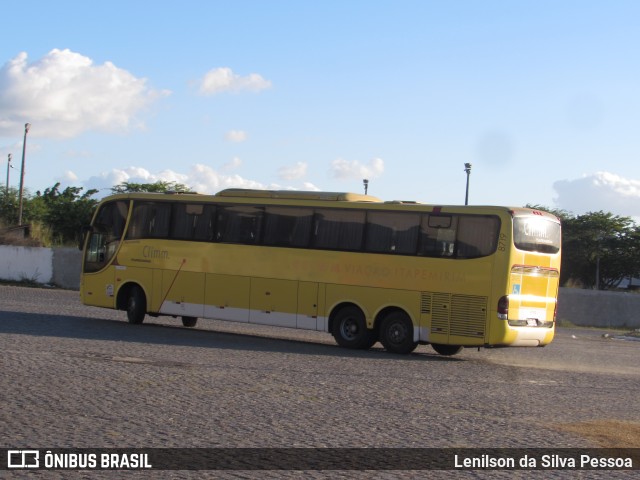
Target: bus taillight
[[503, 307]]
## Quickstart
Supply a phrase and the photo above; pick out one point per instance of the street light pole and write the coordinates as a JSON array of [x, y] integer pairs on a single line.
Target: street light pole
[[24, 150], [467, 168], [8, 167], [366, 185]]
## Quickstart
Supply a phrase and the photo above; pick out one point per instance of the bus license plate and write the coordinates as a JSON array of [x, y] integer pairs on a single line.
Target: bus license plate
[[532, 322]]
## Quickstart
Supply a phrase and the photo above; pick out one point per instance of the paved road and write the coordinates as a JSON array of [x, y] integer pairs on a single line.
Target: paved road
[[76, 376]]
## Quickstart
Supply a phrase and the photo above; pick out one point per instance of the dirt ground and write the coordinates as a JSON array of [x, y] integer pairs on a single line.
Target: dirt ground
[[606, 433]]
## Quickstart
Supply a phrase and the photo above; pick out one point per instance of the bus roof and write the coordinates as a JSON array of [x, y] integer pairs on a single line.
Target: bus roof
[[297, 195], [292, 195]]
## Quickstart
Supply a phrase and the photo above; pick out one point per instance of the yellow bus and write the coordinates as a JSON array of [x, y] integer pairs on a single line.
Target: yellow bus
[[364, 270]]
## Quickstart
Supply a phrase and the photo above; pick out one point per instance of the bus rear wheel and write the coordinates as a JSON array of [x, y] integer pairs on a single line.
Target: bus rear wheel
[[447, 350], [136, 305], [189, 321], [396, 333], [350, 330]]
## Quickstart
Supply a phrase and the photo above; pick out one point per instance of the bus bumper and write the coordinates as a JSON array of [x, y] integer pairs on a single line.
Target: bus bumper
[[530, 336]]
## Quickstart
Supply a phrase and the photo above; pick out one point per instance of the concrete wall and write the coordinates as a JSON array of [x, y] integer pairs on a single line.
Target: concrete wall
[[66, 268], [599, 308], [48, 266], [26, 264], [61, 267]]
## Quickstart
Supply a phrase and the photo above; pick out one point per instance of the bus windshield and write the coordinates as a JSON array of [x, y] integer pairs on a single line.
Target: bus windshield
[[535, 234], [105, 236]]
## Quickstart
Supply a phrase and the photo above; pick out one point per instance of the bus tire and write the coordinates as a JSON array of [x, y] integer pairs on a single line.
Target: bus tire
[[189, 321], [350, 330], [136, 305], [396, 333], [447, 350]]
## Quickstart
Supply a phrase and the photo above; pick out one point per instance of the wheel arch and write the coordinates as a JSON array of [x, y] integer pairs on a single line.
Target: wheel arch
[[123, 294]]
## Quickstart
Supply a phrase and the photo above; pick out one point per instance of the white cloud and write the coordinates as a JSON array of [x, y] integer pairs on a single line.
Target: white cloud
[[293, 172], [200, 178], [64, 94], [204, 179], [236, 162], [599, 191], [116, 176], [310, 186], [349, 170], [223, 79], [67, 178], [235, 136]]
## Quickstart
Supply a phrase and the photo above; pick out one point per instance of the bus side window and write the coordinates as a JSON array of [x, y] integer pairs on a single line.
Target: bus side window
[[287, 226], [392, 232], [150, 220], [205, 227], [338, 229], [477, 236], [112, 218], [438, 235], [238, 224], [192, 221]]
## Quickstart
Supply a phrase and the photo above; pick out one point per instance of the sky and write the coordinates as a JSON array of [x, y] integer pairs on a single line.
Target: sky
[[541, 97]]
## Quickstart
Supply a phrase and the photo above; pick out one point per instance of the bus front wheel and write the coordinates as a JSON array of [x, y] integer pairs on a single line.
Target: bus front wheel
[[350, 330], [136, 305], [396, 333], [447, 350], [189, 321]]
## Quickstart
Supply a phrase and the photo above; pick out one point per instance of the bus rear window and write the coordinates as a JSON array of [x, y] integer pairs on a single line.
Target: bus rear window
[[536, 234]]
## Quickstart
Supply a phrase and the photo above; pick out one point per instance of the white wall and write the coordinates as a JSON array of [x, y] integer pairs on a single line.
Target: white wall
[[26, 263]]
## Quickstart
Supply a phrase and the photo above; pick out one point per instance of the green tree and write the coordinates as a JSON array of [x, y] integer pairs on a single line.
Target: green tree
[[9, 206], [66, 211], [600, 249], [158, 187]]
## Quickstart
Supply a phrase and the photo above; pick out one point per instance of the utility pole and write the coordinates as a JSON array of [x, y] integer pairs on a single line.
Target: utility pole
[[8, 167], [366, 185], [24, 150]]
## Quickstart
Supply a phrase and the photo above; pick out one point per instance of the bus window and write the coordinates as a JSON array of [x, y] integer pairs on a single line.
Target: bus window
[[536, 234], [108, 228], [392, 232], [287, 227], [238, 224], [438, 235], [205, 226], [477, 236], [150, 220], [338, 229], [192, 221]]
